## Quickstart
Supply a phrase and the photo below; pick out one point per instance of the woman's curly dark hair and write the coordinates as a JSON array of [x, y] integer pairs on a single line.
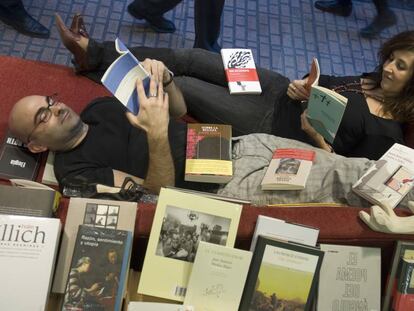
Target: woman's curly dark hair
[[402, 106]]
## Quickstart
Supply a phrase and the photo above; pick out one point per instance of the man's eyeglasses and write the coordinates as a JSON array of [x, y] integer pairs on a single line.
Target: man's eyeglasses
[[43, 114]]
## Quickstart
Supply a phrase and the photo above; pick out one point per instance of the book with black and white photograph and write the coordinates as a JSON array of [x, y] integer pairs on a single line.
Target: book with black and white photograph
[[180, 222], [98, 270], [390, 178], [350, 278], [282, 275], [28, 247], [241, 72]]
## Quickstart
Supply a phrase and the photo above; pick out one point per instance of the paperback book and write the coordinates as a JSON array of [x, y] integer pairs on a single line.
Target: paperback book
[[157, 306], [390, 178], [121, 77], [404, 296], [282, 275], [181, 222], [48, 176], [95, 213], [314, 74], [241, 71], [288, 170], [217, 277], [28, 247], [98, 271], [16, 160], [208, 154], [350, 278]]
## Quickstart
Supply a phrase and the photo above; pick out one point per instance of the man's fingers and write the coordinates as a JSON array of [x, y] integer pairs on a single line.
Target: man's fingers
[[132, 119], [140, 91], [153, 88]]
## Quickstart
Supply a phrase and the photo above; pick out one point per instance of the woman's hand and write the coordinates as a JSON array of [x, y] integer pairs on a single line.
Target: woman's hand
[[313, 134], [156, 69], [297, 91]]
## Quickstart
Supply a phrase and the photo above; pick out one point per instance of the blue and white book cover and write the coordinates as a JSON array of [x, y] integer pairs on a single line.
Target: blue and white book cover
[[121, 76]]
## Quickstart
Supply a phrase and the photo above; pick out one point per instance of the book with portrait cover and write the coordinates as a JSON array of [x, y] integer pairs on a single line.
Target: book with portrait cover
[[121, 77], [16, 161], [208, 154], [288, 170], [180, 222], [241, 71], [282, 275], [390, 178], [350, 278], [28, 247], [91, 212], [98, 270], [217, 277]]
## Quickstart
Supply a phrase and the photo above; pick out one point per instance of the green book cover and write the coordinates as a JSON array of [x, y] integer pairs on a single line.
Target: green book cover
[[325, 111]]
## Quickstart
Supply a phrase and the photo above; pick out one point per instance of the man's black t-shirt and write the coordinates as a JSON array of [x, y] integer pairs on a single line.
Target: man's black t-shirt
[[112, 143]]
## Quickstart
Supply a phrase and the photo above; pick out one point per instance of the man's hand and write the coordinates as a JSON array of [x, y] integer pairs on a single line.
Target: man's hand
[[297, 91], [153, 116], [156, 69]]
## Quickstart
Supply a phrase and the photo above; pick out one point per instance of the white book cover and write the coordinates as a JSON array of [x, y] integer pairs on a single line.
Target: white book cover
[[217, 277], [157, 306], [28, 247], [241, 71], [279, 229], [390, 178], [350, 278], [121, 77]]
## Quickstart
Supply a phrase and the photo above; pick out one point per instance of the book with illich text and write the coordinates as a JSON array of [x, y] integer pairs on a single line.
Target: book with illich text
[[121, 77], [241, 71]]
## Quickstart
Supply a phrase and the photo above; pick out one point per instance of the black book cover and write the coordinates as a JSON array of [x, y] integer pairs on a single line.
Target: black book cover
[[98, 270], [16, 161]]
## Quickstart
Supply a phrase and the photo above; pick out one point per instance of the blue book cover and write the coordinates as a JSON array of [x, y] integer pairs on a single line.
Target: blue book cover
[[325, 111], [121, 76]]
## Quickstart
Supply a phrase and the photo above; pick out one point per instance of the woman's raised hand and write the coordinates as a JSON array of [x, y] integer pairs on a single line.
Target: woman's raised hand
[[297, 90]]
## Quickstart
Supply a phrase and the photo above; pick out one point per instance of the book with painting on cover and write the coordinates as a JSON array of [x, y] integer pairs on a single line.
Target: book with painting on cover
[[121, 77], [217, 277], [288, 170], [279, 229], [16, 160], [350, 278], [28, 247], [403, 249], [241, 71], [98, 270], [390, 178], [282, 275], [180, 222], [208, 154], [92, 212]]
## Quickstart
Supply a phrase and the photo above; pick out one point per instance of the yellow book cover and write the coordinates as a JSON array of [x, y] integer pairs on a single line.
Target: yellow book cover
[[181, 221]]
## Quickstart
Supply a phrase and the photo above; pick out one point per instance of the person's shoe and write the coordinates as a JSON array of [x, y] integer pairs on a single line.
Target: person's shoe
[[18, 18], [71, 37], [332, 6], [158, 23], [379, 23]]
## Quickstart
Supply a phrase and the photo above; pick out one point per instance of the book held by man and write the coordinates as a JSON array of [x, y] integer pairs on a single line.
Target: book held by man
[[241, 71], [208, 154], [121, 77], [288, 170], [180, 222], [390, 178], [28, 247]]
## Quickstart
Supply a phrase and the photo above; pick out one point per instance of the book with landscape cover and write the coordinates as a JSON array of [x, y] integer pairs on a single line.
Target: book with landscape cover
[[28, 247], [241, 71], [279, 229], [282, 275], [16, 161], [217, 277], [28, 201], [208, 155], [92, 212], [180, 222], [350, 278], [390, 178], [403, 250], [121, 77], [98, 270], [288, 170]]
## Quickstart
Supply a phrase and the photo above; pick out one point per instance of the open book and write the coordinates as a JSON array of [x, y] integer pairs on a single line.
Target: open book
[[390, 178], [121, 76]]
